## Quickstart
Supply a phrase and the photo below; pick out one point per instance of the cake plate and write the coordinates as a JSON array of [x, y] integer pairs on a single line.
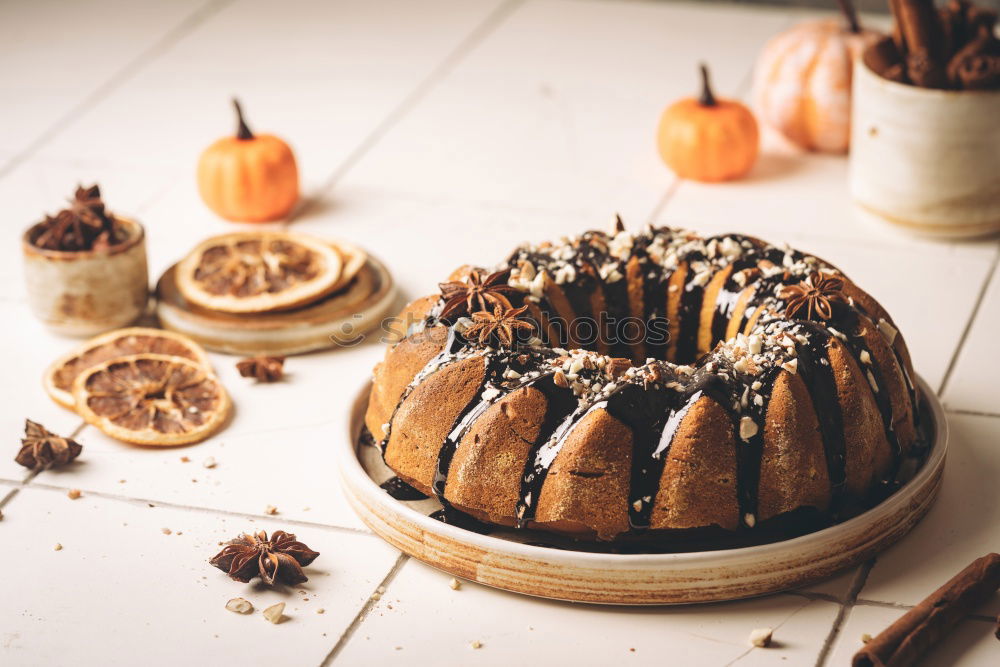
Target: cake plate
[[504, 558], [337, 320]]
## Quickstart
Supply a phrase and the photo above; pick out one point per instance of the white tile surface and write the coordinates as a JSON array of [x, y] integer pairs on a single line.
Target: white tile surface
[[505, 121], [962, 525], [56, 54], [429, 622], [320, 74], [973, 382], [278, 450], [971, 643], [32, 349], [558, 108], [153, 595]]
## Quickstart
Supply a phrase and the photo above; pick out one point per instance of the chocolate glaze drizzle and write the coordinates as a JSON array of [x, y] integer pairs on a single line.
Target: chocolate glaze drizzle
[[653, 399]]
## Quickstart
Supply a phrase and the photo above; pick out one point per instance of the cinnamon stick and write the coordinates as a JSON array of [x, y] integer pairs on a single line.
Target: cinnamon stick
[[883, 58], [921, 29], [909, 638]]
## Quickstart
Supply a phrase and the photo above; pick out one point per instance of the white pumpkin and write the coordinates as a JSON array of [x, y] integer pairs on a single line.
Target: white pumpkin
[[802, 83]]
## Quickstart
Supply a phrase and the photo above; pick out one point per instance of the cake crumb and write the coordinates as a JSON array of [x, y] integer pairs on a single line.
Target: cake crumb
[[476, 644], [73, 494], [455, 584], [185, 459], [239, 606], [321, 611], [865, 638], [209, 462], [275, 613], [270, 509], [166, 531], [57, 547], [761, 637]]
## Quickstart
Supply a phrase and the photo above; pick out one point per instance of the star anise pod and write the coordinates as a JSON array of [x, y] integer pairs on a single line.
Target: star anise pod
[[814, 295], [41, 448], [85, 225], [264, 368], [503, 324], [280, 558], [479, 293]]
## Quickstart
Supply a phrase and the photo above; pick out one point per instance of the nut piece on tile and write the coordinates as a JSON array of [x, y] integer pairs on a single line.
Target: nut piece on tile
[[761, 637], [476, 644], [240, 606], [455, 584], [73, 494], [270, 509], [275, 613]]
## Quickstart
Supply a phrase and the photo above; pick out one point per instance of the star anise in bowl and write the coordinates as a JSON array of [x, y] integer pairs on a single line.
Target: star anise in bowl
[[813, 297], [85, 225], [501, 326], [480, 292], [280, 558]]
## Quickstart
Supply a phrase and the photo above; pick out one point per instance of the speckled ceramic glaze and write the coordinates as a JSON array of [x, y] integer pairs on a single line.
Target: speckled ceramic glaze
[[924, 160], [85, 292], [502, 558]]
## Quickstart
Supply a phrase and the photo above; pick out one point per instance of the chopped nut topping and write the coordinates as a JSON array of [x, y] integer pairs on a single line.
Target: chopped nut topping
[[748, 428], [240, 606], [275, 613], [761, 637], [455, 584]]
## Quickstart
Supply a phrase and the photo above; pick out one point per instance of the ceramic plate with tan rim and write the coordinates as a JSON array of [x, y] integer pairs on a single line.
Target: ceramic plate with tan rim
[[259, 272], [536, 564], [340, 319]]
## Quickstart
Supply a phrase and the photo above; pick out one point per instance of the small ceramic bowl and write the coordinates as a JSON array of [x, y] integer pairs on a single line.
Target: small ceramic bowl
[[86, 292], [925, 160]]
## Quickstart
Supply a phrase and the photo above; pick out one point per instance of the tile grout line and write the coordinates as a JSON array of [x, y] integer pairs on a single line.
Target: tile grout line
[[968, 324], [206, 510], [907, 607], [365, 610], [464, 47], [116, 79], [860, 578]]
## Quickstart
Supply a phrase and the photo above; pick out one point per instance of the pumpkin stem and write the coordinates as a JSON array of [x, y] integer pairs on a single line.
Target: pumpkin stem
[[707, 98], [243, 132], [847, 7]]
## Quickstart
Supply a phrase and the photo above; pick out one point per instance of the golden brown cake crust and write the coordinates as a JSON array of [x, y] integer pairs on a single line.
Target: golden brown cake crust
[[809, 408]]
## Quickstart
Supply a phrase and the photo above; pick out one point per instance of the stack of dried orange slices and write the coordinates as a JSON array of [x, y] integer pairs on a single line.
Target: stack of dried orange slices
[[270, 292], [144, 386], [260, 272]]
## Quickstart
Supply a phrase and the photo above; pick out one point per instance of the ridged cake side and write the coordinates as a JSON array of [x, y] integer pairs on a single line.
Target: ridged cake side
[[762, 415]]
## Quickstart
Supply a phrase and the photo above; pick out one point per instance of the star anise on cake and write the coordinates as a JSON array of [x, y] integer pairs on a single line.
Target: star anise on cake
[[478, 293], [816, 295], [501, 325], [264, 368], [280, 558], [41, 448]]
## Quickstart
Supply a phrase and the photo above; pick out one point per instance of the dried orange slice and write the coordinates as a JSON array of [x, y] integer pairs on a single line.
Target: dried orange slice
[[258, 272], [59, 377], [152, 399]]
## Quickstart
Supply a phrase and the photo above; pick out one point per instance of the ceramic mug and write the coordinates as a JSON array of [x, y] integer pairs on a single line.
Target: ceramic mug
[[86, 292], [923, 159]]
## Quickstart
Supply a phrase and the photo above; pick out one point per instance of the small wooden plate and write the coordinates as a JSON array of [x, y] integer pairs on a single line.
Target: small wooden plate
[[503, 559], [336, 321]]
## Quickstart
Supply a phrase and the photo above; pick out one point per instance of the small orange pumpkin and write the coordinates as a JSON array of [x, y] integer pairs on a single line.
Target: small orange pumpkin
[[248, 178], [802, 81], [708, 139]]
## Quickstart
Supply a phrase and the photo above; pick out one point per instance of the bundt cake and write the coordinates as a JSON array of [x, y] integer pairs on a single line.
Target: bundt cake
[[622, 385]]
